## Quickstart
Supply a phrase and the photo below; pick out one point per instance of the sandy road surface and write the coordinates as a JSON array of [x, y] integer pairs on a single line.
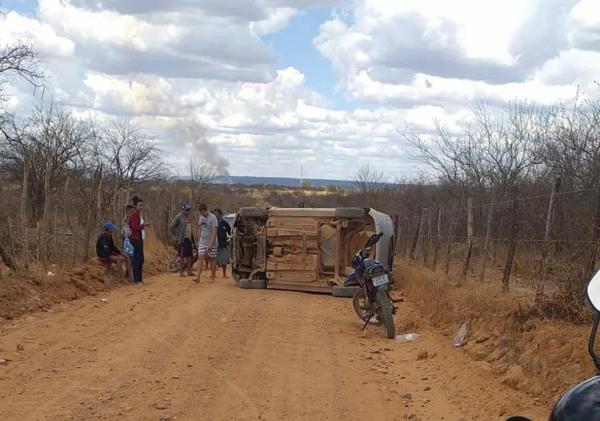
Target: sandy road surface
[[175, 350]]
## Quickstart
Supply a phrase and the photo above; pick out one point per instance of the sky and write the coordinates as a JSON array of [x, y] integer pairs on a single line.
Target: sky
[[265, 87]]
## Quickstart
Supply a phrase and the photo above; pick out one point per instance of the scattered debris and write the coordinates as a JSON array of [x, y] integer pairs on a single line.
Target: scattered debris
[[461, 337], [104, 300], [406, 396], [4, 361], [408, 337], [50, 274], [422, 355]]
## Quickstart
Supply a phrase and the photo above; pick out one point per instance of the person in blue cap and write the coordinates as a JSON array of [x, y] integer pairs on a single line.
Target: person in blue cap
[[181, 229], [106, 250]]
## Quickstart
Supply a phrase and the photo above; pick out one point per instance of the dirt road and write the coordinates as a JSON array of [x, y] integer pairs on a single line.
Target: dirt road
[[175, 350]]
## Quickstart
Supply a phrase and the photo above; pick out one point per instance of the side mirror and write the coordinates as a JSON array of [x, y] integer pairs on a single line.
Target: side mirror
[[593, 291]]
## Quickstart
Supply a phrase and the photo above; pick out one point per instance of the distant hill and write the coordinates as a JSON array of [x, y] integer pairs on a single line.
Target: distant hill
[[281, 181]]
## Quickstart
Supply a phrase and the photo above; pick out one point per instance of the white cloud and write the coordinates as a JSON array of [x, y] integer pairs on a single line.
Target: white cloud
[[15, 29], [197, 75], [431, 51]]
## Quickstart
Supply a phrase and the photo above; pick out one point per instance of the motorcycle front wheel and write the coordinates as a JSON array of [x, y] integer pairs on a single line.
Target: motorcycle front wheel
[[363, 309], [386, 313], [174, 265]]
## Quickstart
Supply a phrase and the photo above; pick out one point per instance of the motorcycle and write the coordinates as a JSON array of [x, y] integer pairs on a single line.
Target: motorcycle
[[175, 264], [582, 401], [372, 302]]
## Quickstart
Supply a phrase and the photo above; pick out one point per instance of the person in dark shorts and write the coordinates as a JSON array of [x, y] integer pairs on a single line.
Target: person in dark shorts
[[223, 233], [182, 230], [107, 252]]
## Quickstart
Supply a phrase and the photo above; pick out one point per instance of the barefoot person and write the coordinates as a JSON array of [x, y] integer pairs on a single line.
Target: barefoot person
[[223, 233], [181, 229], [106, 250], [207, 246]]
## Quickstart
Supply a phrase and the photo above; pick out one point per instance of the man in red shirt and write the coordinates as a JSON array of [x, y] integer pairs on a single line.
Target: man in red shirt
[[137, 240]]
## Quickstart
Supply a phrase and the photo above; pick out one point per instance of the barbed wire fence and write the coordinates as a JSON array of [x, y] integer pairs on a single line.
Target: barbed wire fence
[[543, 242]]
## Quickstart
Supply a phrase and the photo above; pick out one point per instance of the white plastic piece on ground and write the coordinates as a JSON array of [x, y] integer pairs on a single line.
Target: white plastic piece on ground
[[461, 337], [104, 300], [408, 337], [50, 274]]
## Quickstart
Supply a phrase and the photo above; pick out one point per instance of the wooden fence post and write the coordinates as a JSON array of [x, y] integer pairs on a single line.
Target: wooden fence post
[[417, 234], [427, 240], [513, 244], [451, 232], [488, 235], [406, 236], [24, 215], [469, 237], [43, 227], [539, 292], [438, 237], [12, 238]]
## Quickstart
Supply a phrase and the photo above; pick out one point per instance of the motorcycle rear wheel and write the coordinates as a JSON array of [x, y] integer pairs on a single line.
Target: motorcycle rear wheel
[[385, 313]]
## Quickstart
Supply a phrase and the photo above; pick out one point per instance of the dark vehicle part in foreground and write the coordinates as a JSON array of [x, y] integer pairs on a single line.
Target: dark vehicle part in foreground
[[582, 401], [372, 302], [305, 249]]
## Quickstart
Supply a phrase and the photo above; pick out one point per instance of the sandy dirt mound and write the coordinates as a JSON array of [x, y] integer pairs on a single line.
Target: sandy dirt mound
[[40, 289], [509, 336]]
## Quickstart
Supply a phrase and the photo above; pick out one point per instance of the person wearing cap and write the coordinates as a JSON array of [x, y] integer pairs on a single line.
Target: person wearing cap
[[181, 229], [106, 250]]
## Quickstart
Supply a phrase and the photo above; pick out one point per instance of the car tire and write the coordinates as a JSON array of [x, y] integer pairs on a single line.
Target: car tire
[[252, 283], [252, 212], [345, 292], [350, 213]]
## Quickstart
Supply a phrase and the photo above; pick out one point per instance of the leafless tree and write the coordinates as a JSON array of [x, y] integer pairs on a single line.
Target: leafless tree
[[202, 173], [53, 140], [369, 180], [20, 60]]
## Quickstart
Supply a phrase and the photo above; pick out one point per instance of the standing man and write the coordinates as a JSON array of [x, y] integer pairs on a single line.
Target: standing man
[[137, 228], [223, 233], [181, 229], [207, 246]]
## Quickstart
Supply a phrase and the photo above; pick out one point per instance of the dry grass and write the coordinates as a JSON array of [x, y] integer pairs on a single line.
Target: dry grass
[[510, 335]]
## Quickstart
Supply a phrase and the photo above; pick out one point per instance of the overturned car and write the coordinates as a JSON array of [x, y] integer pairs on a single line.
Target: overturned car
[[304, 249]]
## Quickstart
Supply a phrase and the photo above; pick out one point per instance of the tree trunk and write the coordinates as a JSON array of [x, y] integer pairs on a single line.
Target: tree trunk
[[542, 272], [451, 232], [91, 218], [24, 217], [438, 238], [513, 244], [427, 245], [469, 237], [488, 236], [406, 236], [415, 243], [43, 234]]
